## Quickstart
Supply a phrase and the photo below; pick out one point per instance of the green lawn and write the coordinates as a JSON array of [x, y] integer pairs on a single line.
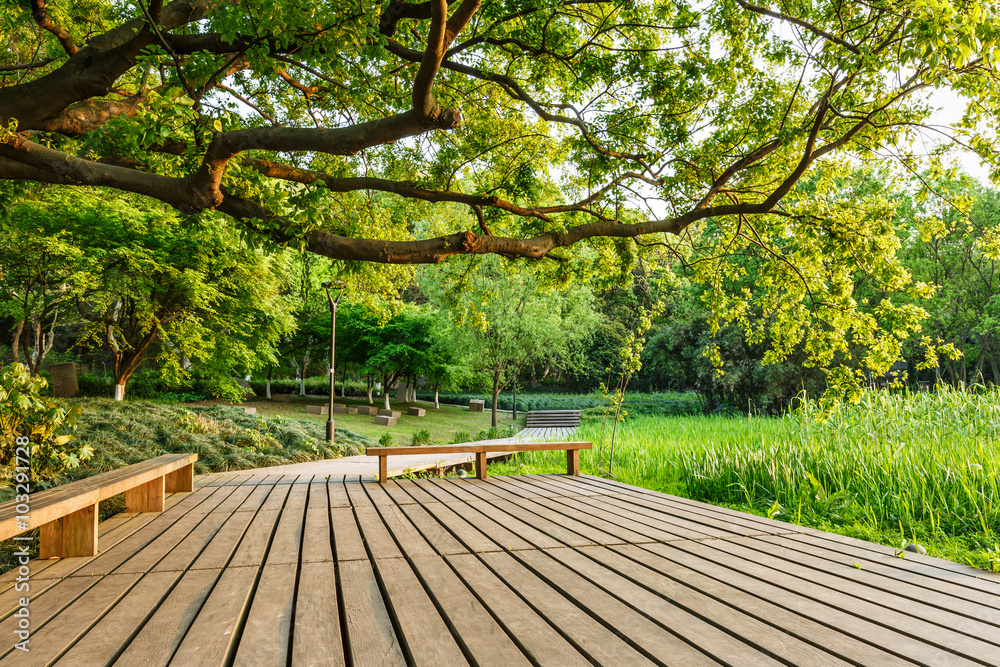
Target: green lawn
[[444, 424]]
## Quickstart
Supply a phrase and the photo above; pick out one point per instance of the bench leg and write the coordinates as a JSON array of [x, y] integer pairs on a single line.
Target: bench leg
[[146, 498], [481, 465], [72, 535], [383, 469], [572, 461], [181, 480]]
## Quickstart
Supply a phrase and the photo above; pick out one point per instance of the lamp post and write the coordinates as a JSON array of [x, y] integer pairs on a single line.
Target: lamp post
[[328, 285]]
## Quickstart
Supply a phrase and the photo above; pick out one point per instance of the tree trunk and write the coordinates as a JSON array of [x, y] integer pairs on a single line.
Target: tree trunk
[[370, 384], [385, 391], [15, 353], [267, 386], [120, 391], [984, 346], [437, 404], [496, 397]]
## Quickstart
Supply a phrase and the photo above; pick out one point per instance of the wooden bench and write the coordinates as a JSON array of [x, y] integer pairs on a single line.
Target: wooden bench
[[67, 514], [481, 449]]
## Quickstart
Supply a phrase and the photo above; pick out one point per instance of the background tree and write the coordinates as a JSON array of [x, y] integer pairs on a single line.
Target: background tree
[[558, 128]]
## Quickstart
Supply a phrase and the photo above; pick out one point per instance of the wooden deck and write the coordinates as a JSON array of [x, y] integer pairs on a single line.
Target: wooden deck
[[261, 570]]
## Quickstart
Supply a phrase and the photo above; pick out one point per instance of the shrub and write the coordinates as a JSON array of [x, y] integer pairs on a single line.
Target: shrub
[[24, 413], [421, 437], [385, 440]]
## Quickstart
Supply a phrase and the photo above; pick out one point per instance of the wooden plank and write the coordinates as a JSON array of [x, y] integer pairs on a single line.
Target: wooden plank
[[180, 480], [189, 548], [160, 636], [102, 643], [650, 616], [480, 635], [815, 632], [210, 638], [788, 643], [376, 538], [266, 637], [425, 634], [370, 637], [287, 540], [316, 639], [45, 603], [396, 523], [481, 465], [148, 497], [914, 599], [146, 557], [840, 592], [547, 625], [348, 544], [224, 542], [256, 540], [73, 535], [276, 497], [317, 544], [62, 632], [743, 575]]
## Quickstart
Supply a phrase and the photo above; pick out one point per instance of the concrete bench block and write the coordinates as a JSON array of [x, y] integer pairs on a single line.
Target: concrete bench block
[[316, 409], [395, 414], [344, 410], [477, 405], [382, 420], [416, 412], [281, 398], [367, 410], [247, 410]]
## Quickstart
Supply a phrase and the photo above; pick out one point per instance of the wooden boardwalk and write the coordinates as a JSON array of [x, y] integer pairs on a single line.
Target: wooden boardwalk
[[261, 570]]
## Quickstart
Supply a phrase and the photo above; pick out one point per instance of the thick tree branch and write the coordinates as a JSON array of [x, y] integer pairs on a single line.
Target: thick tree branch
[[41, 16]]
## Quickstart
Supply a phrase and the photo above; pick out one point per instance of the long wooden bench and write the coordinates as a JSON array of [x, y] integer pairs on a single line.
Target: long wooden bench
[[67, 515], [481, 450]]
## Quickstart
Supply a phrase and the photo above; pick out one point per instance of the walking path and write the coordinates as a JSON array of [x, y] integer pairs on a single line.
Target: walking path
[[366, 467]]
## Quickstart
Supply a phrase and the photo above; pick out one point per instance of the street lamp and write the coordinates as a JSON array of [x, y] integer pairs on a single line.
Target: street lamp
[[339, 286]]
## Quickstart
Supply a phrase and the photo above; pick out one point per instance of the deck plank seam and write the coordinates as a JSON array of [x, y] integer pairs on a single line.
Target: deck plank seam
[[484, 603], [218, 577], [826, 604]]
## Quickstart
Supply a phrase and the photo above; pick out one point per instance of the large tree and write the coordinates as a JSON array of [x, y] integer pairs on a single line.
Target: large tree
[[548, 122]]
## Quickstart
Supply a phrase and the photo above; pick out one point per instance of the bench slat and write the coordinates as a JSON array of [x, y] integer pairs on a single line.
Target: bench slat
[[51, 504], [481, 449]]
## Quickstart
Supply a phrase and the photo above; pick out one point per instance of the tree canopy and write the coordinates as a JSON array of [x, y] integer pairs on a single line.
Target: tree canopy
[[410, 132]]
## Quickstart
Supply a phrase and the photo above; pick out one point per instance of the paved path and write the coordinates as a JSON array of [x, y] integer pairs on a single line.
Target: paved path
[[367, 466]]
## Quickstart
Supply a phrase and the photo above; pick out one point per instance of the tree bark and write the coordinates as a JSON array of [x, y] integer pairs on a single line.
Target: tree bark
[[437, 403], [15, 353], [496, 396]]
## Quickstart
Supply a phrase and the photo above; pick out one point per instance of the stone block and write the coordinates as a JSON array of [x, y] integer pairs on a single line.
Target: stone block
[[248, 410], [395, 414], [316, 409], [416, 412], [367, 410], [477, 405], [344, 410], [382, 420], [281, 398], [64, 384]]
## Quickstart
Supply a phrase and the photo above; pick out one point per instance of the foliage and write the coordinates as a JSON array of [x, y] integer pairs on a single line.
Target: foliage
[[25, 413], [421, 437], [729, 132]]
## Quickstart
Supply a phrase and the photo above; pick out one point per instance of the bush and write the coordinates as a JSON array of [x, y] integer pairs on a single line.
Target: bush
[[421, 437], [27, 419], [385, 440]]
